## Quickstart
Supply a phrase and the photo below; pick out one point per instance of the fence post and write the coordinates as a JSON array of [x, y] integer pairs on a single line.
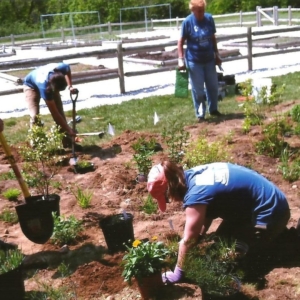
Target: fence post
[[177, 23], [12, 39], [258, 18], [120, 68], [109, 28], [62, 34], [275, 15], [290, 15], [241, 18], [151, 24], [249, 47]]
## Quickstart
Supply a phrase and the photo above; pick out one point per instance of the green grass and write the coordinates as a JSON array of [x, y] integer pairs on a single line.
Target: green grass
[[137, 115]]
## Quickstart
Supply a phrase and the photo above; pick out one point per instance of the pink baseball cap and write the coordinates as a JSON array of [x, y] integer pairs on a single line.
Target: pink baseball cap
[[157, 185]]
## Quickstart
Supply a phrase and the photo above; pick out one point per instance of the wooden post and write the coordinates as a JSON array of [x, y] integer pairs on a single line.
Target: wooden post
[[290, 15], [62, 34], [120, 68], [241, 19], [275, 15], [258, 18], [12, 38], [151, 25], [249, 47], [109, 28], [177, 23]]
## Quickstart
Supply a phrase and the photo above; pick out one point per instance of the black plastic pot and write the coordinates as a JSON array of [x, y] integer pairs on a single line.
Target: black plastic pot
[[118, 231], [35, 217], [82, 170], [141, 178], [12, 285]]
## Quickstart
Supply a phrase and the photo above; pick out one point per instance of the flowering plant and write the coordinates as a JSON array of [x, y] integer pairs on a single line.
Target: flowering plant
[[144, 259]]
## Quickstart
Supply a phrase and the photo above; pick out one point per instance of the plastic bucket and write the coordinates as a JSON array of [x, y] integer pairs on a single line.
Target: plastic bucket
[[118, 231]]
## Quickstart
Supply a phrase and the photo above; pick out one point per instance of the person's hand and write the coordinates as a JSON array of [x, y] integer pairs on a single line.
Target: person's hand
[[73, 90], [181, 64], [1, 125], [173, 277], [71, 132]]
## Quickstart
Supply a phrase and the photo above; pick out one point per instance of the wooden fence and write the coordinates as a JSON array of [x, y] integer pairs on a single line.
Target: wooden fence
[[120, 51], [262, 16]]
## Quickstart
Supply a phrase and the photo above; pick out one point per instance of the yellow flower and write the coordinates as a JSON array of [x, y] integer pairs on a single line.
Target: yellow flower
[[154, 238], [136, 243]]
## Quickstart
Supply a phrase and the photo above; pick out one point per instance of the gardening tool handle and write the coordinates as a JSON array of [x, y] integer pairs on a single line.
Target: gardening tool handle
[[15, 168]]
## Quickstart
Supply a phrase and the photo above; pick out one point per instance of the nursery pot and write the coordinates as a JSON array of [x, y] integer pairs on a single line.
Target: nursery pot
[[141, 178], [35, 217], [118, 231], [84, 169], [12, 285], [149, 286]]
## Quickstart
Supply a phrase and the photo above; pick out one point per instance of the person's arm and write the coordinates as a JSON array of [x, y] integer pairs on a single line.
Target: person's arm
[[181, 63], [195, 220], [69, 80], [1, 125], [194, 224], [217, 55], [58, 118]]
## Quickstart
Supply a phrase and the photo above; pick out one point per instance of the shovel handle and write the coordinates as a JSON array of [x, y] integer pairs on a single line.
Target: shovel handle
[[15, 168]]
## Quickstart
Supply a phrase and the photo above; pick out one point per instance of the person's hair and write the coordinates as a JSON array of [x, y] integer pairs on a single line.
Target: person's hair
[[197, 3], [57, 82], [176, 180]]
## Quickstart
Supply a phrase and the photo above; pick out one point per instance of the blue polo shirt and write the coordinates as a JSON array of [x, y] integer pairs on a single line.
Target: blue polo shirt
[[198, 35], [38, 79], [234, 192]]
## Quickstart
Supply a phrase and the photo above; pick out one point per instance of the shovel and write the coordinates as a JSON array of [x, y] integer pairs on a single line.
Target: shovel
[[100, 134], [73, 160], [35, 215]]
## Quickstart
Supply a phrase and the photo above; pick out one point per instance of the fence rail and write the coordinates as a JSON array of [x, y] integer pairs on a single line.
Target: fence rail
[[120, 51], [262, 16]]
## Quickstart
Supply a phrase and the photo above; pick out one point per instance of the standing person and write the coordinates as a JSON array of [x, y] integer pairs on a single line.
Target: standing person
[[201, 57], [46, 82], [253, 209]]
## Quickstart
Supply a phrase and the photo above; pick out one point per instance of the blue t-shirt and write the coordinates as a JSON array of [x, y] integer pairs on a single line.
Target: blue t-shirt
[[198, 35], [38, 79], [234, 192]]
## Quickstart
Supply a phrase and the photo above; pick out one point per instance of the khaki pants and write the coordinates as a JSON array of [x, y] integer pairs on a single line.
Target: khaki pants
[[32, 98]]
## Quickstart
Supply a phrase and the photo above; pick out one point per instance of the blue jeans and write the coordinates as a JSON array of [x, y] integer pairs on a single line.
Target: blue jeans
[[199, 75]]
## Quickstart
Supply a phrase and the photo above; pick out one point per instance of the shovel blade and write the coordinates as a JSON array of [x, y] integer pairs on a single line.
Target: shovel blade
[[35, 218], [73, 161]]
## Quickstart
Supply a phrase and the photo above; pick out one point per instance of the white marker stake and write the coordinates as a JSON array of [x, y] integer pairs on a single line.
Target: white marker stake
[[156, 118], [111, 130]]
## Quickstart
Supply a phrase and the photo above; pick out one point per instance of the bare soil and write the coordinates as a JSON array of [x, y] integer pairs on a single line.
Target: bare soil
[[95, 273]]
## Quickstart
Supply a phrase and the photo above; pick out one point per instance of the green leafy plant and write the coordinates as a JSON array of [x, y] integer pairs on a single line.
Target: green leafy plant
[[144, 259], [202, 152], [66, 230], [8, 175], [295, 113], [176, 139], [12, 194], [10, 260], [83, 197], [142, 156], [213, 267], [273, 142], [149, 206], [43, 162], [64, 269], [84, 164], [9, 216], [290, 170]]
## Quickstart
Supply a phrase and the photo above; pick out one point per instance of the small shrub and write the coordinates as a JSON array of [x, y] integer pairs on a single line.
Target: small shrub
[[9, 216], [12, 194], [64, 270], [66, 230], [8, 175], [290, 170], [295, 113], [83, 197], [149, 206], [202, 152], [176, 139]]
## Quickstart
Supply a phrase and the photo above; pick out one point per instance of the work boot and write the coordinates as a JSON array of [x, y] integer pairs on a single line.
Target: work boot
[[7, 246]]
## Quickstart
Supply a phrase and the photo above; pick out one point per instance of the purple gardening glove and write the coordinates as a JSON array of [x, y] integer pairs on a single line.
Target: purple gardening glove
[[173, 277]]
